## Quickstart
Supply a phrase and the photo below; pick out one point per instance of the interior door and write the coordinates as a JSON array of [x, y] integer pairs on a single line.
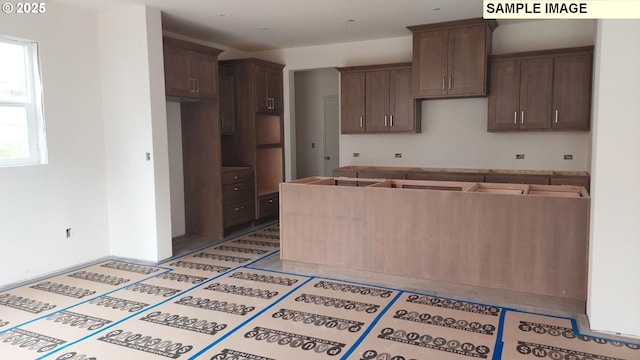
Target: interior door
[[331, 135]]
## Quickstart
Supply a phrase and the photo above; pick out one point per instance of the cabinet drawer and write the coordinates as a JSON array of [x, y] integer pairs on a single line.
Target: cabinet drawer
[[517, 179], [238, 176], [237, 193], [269, 205], [238, 213], [445, 176]]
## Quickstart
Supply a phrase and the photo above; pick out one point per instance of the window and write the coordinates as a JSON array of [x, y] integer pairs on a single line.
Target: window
[[22, 136]]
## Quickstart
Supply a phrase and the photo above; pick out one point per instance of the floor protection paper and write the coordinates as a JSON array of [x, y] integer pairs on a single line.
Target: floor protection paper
[[216, 304]]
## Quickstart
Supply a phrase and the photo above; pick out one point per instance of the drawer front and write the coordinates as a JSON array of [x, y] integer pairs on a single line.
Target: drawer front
[[233, 177], [237, 193], [269, 205], [571, 180], [517, 179], [238, 213], [445, 176]]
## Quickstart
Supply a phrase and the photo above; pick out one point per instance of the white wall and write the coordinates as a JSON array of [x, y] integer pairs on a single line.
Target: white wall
[[311, 89], [450, 133], [39, 202], [614, 293], [135, 124], [176, 174]]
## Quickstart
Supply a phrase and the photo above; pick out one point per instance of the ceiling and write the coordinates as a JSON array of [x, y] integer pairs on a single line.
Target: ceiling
[[256, 25]]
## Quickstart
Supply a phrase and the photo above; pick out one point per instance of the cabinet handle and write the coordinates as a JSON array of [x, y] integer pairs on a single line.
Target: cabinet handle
[[443, 80], [197, 85], [236, 177], [270, 201], [361, 122], [556, 116], [450, 82], [391, 116], [385, 121], [522, 117], [238, 188], [192, 86], [239, 208], [222, 122], [515, 117]]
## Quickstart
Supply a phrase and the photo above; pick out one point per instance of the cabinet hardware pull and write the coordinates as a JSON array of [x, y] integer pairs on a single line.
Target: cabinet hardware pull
[[271, 201], [443, 79], [191, 85], [197, 85], [385, 121], [222, 121], [361, 123], [450, 82], [237, 188], [391, 120], [239, 208], [515, 117], [522, 117], [556, 116]]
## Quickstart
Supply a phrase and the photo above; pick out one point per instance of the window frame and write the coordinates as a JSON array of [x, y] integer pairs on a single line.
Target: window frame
[[33, 106]]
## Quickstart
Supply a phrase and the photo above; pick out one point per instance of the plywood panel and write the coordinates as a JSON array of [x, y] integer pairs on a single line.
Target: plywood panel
[[526, 243]]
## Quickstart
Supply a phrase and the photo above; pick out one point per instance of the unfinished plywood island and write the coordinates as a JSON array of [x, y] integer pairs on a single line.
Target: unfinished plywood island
[[518, 237]]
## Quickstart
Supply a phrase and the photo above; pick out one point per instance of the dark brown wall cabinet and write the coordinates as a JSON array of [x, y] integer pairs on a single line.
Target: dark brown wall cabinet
[[191, 78], [542, 90], [226, 79], [257, 141], [450, 59], [377, 99], [191, 70]]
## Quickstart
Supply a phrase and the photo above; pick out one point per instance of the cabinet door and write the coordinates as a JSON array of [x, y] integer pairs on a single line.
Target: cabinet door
[[274, 89], [401, 103], [467, 56], [430, 51], [262, 101], [227, 101], [377, 101], [504, 97], [203, 68], [176, 73], [572, 92], [536, 86], [352, 98]]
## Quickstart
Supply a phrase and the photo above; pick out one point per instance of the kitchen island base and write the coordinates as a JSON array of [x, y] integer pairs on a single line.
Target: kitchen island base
[[516, 237]]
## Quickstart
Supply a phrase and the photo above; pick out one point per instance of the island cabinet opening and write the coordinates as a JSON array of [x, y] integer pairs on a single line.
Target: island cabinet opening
[[521, 237]]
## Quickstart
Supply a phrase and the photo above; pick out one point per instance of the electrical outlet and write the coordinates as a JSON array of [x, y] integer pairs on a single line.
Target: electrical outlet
[[568, 157], [398, 155], [356, 154], [519, 156], [68, 232]]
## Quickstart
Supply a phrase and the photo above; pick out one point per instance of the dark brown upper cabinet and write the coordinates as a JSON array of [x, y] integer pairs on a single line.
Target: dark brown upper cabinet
[[542, 90], [268, 89], [191, 70], [226, 80], [377, 99], [450, 59]]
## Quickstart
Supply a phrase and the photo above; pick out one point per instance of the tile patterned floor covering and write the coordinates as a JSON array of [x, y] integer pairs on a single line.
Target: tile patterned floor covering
[[214, 304]]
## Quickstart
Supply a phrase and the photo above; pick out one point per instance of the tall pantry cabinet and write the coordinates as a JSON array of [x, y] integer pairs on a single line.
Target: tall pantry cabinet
[[191, 79], [258, 139]]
